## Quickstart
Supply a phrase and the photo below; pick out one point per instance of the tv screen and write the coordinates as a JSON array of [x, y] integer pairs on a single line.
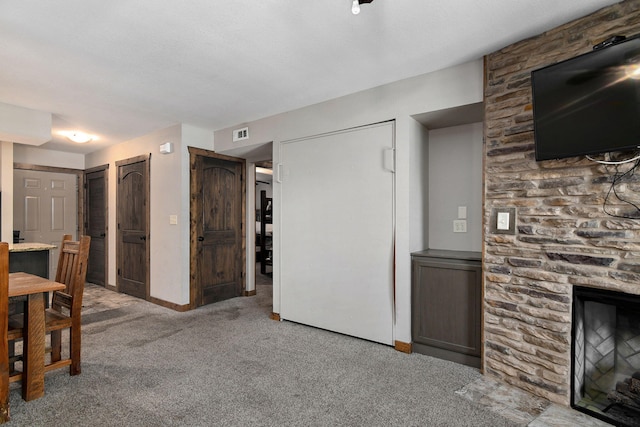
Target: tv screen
[[589, 104]]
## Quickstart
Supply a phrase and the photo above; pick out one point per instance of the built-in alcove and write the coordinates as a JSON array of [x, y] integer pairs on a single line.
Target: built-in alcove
[[606, 355], [452, 177], [447, 271]]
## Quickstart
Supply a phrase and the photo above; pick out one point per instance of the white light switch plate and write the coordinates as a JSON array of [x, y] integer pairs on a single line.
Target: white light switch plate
[[462, 212], [173, 219], [503, 221]]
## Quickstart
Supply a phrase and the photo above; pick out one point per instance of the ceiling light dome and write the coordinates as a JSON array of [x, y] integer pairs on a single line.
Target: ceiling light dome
[[78, 137]]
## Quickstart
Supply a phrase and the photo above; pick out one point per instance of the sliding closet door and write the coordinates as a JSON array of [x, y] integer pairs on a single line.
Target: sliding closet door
[[337, 223]]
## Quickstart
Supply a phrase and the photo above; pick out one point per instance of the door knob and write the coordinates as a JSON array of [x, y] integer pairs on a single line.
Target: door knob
[[143, 237], [200, 239]]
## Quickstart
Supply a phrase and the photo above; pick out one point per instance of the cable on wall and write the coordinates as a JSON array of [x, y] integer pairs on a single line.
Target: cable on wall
[[618, 178]]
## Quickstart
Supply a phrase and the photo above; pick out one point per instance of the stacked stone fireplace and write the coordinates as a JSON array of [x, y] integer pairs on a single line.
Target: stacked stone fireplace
[[563, 239]]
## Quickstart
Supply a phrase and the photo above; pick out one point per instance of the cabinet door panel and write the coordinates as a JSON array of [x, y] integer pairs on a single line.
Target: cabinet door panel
[[446, 310]]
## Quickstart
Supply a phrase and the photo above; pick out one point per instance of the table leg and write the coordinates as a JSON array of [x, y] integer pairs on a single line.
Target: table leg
[[34, 346]]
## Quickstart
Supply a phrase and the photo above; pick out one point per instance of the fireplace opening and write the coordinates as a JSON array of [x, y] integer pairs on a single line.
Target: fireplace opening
[[606, 355]]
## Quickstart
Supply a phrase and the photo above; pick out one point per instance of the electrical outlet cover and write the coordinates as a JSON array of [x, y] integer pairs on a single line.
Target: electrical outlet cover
[[459, 226]]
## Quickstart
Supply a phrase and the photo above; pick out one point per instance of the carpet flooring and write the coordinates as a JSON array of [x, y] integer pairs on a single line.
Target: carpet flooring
[[228, 364]]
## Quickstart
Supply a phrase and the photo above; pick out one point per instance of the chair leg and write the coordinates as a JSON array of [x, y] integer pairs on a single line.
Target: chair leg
[[12, 353], [56, 346], [74, 349]]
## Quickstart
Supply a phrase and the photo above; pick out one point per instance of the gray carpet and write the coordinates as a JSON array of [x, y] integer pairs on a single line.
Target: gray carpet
[[229, 364]]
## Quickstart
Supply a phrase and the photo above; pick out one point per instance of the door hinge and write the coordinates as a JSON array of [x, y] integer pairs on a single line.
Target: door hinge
[[118, 272]]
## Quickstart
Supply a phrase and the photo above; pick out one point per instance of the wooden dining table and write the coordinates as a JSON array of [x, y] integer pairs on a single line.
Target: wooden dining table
[[35, 289]]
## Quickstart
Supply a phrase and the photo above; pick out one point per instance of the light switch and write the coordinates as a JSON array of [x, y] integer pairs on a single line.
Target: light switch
[[173, 219], [503, 221], [462, 212]]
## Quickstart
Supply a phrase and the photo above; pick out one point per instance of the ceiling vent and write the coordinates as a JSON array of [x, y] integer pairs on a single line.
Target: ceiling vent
[[240, 134]]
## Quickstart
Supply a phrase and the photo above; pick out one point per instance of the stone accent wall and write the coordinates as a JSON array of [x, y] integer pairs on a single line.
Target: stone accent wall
[[563, 236]]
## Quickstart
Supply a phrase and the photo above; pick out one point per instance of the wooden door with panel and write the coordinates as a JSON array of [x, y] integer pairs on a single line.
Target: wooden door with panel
[[217, 228], [132, 199], [96, 224]]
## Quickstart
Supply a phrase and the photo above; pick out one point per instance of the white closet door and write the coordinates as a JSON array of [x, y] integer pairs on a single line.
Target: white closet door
[[337, 224]]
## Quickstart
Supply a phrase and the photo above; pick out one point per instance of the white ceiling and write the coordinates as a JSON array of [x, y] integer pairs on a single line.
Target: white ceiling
[[120, 69]]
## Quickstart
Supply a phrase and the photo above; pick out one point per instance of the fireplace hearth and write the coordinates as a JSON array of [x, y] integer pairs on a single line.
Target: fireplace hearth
[[606, 355]]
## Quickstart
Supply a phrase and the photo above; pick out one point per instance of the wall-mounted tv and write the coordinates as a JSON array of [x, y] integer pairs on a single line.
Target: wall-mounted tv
[[589, 104]]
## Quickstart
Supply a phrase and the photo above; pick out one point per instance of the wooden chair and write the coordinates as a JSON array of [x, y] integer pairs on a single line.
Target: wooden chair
[[66, 306], [4, 324]]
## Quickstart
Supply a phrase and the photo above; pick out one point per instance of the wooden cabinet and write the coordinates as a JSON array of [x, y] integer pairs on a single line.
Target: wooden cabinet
[[30, 258], [446, 305]]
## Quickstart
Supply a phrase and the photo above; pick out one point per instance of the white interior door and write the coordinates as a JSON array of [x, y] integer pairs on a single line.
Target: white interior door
[[337, 226], [45, 207]]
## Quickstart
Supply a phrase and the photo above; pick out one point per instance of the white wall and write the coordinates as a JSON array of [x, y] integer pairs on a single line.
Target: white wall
[[42, 157], [419, 182], [24, 125], [459, 85], [11, 153], [455, 179], [169, 185], [6, 188]]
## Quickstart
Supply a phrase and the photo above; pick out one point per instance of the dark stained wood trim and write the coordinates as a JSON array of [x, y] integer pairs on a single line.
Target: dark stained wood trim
[[28, 166], [274, 316], [250, 293], [79, 173], [195, 188], [173, 306], [111, 287], [140, 158], [404, 347], [97, 168], [209, 153], [484, 200]]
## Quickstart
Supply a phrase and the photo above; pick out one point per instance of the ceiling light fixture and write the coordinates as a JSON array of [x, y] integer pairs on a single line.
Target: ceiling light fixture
[[355, 5], [78, 137]]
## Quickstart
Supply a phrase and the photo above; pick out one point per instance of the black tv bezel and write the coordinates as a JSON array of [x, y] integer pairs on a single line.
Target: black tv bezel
[[559, 65]]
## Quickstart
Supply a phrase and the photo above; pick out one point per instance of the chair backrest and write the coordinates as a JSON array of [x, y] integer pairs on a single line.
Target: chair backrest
[[72, 271], [4, 326]]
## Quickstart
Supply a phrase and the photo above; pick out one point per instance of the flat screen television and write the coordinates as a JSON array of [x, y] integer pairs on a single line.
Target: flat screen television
[[589, 104]]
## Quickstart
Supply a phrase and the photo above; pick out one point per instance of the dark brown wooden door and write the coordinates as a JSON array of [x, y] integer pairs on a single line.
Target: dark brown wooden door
[[96, 225], [133, 226], [218, 241]]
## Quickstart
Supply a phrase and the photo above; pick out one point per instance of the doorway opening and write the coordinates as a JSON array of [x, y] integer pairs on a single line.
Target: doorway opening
[[46, 205], [264, 223]]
